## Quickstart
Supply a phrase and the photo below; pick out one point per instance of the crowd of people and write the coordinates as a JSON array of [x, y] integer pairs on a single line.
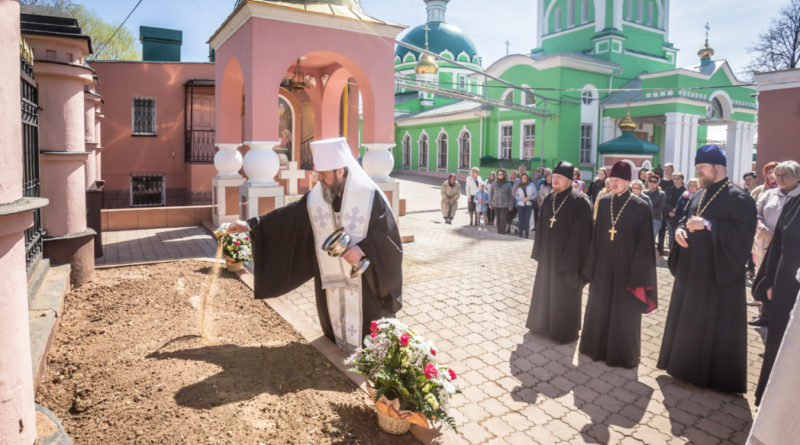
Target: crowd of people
[[717, 237]]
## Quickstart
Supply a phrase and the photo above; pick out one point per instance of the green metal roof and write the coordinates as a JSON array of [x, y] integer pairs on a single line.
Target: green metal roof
[[628, 144], [442, 36]]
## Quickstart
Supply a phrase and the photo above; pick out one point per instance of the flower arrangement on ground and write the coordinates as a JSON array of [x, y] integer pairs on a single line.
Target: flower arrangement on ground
[[400, 365], [236, 247]]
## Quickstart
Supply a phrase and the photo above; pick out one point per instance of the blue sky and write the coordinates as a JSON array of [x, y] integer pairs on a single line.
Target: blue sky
[[735, 24]]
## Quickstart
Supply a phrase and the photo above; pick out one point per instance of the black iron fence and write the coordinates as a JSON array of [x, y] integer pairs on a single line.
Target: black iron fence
[[199, 146], [30, 158]]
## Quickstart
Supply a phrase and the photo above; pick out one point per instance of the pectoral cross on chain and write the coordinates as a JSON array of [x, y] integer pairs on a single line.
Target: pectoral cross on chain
[[613, 232], [353, 219], [552, 221]]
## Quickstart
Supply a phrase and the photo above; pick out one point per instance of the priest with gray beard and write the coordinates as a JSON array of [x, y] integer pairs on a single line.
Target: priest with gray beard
[[287, 245]]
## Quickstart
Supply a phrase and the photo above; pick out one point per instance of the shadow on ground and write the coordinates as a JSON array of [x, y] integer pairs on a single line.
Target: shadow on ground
[[608, 396], [248, 371]]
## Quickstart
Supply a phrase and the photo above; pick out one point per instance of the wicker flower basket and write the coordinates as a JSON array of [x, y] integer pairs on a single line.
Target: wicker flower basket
[[392, 425], [233, 266]]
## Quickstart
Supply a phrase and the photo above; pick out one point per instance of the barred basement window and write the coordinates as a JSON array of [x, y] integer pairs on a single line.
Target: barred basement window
[[147, 190], [143, 116], [586, 143]]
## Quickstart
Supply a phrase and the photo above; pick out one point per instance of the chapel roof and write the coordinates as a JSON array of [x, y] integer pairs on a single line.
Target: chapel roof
[[442, 37], [350, 9]]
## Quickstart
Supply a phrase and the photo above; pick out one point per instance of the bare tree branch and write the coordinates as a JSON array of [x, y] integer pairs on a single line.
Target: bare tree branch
[[778, 48]]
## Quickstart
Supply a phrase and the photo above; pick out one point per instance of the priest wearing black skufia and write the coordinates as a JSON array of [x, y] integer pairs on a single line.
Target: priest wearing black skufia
[[287, 244], [560, 244], [705, 337], [621, 266]]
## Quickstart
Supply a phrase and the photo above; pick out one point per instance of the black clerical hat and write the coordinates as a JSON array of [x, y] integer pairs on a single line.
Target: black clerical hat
[[621, 170], [710, 154], [564, 169]]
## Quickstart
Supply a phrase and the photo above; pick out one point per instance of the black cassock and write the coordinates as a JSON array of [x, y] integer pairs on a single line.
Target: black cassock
[[556, 302], [623, 282], [705, 337], [778, 271], [283, 248]]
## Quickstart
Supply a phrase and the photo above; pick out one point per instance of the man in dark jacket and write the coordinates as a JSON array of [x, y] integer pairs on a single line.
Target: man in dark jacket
[[658, 199], [673, 191]]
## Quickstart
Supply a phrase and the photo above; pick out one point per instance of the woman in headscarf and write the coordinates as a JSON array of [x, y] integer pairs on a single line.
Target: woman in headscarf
[[490, 181], [451, 191], [545, 186]]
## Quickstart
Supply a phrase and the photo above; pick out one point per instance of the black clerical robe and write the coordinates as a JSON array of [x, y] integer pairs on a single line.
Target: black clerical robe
[[778, 271], [705, 337], [559, 250], [284, 258], [622, 273]]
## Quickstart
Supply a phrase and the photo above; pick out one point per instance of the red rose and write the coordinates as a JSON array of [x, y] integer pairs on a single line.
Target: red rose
[[404, 339], [433, 352], [373, 335], [237, 243], [452, 374], [247, 238], [373, 326], [430, 371]]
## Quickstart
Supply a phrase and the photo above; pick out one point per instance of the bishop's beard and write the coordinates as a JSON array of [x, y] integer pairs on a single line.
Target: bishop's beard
[[330, 192]]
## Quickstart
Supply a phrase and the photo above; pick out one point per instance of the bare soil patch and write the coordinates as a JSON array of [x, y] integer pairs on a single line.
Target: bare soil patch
[[128, 366]]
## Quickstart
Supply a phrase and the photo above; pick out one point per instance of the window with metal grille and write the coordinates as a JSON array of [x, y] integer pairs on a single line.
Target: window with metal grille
[[442, 155], [462, 82], [407, 151], [528, 139], [143, 117], [586, 143], [464, 146], [147, 190], [506, 138], [423, 151]]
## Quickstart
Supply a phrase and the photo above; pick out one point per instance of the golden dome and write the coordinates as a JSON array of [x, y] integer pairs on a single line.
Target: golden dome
[[427, 65], [706, 52], [627, 123]]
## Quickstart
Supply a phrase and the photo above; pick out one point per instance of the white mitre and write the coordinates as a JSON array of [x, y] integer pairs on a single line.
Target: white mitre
[[330, 154]]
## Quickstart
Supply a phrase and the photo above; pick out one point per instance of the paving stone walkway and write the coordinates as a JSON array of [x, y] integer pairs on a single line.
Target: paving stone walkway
[[469, 292], [161, 244]]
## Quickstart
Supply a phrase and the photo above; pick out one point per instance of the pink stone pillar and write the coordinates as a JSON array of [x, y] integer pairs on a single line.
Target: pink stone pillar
[[17, 413], [63, 159]]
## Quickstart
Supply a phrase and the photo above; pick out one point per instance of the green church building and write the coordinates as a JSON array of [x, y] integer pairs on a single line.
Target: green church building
[[594, 61]]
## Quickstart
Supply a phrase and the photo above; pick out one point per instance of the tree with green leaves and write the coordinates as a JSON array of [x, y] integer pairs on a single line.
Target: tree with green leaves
[[122, 46], [778, 48]]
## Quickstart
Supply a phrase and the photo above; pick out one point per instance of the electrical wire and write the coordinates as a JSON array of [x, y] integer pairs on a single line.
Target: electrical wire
[[103, 46]]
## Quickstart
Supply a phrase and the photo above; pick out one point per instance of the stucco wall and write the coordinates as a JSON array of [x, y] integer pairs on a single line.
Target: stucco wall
[[125, 154]]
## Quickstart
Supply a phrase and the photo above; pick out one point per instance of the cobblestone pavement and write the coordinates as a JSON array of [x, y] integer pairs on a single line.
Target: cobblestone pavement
[[147, 245], [469, 292]]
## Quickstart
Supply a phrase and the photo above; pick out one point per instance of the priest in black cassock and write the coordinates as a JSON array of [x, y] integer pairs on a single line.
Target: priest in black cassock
[[705, 337], [560, 244], [621, 267], [287, 244]]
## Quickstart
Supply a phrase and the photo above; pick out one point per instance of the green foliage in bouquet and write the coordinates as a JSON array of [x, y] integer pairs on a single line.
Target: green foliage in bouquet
[[236, 246], [402, 365]]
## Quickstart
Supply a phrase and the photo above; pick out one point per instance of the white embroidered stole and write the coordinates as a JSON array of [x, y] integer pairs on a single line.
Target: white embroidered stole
[[343, 294]]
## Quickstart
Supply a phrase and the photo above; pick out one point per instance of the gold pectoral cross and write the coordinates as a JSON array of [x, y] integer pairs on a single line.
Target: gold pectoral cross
[[552, 221], [613, 232]]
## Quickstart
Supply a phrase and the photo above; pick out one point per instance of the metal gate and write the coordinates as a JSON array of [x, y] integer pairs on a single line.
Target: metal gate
[[30, 152]]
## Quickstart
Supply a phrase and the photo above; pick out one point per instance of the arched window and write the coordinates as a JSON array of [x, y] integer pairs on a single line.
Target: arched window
[[407, 151], [584, 11], [528, 98], [587, 97], [441, 158], [557, 24], [628, 9], [714, 111], [570, 13], [423, 151], [508, 99], [640, 11], [464, 148]]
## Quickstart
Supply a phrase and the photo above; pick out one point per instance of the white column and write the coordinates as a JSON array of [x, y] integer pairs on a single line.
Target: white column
[[734, 150], [261, 193], [228, 162], [691, 147], [378, 163], [608, 127], [673, 133], [540, 23]]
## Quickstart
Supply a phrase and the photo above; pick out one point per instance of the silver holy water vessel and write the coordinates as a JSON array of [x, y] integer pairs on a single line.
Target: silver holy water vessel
[[337, 244]]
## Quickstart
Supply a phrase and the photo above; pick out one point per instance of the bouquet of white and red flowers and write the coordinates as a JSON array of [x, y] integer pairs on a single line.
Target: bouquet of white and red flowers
[[401, 366], [236, 247]]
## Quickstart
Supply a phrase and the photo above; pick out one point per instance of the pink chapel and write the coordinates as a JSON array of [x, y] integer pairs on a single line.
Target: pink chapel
[[182, 144]]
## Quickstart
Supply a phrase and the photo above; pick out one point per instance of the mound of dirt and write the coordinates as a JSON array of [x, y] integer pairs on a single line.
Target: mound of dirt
[[128, 366]]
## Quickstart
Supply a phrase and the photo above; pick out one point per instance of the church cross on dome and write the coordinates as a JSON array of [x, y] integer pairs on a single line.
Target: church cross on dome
[[426, 28], [708, 28]]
